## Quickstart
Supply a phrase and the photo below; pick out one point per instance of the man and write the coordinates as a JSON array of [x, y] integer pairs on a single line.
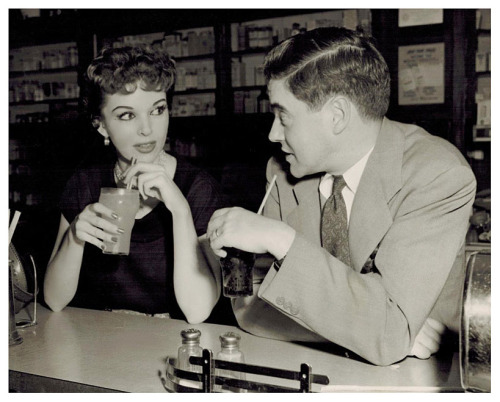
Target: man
[[378, 270]]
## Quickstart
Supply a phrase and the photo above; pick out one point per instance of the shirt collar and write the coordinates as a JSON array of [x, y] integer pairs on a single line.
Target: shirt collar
[[352, 176]]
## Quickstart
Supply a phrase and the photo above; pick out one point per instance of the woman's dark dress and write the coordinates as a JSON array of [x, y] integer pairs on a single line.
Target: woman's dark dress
[[143, 280]]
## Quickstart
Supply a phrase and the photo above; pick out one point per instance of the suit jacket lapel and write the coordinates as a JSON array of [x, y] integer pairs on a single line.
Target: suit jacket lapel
[[306, 216], [370, 215]]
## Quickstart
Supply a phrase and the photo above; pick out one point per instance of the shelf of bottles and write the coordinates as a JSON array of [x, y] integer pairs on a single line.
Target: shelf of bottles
[[193, 51], [40, 76], [482, 126], [23, 180], [251, 40]]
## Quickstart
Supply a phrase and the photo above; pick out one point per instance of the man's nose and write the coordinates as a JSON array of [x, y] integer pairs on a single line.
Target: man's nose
[[276, 134]]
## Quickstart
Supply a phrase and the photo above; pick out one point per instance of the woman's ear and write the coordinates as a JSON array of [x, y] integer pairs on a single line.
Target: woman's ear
[[100, 127], [340, 113]]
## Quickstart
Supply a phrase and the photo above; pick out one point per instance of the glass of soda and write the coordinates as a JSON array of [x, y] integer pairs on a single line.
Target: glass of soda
[[126, 203], [237, 273]]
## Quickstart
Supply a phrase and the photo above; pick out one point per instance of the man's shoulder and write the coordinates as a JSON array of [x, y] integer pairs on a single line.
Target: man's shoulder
[[426, 157], [423, 147]]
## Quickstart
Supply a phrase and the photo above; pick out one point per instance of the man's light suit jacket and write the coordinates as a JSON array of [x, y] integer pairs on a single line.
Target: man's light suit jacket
[[406, 234]]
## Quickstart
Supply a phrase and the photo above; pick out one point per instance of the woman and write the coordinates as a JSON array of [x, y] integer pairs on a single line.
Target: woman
[[166, 269]]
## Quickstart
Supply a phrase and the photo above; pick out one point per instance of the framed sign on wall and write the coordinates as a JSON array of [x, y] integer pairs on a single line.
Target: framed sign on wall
[[421, 78], [419, 16]]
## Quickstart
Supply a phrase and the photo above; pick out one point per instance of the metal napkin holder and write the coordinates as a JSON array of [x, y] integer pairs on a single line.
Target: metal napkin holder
[[178, 380]]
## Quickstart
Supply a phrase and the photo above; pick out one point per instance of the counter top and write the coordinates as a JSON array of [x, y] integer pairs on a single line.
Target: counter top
[[79, 350]]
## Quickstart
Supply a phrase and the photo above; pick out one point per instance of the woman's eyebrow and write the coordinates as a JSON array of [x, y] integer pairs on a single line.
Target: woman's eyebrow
[[123, 107], [159, 101], [131, 108]]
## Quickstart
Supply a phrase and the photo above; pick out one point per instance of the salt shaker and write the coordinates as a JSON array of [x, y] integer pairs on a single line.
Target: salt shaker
[[230, 351], [190, 347]]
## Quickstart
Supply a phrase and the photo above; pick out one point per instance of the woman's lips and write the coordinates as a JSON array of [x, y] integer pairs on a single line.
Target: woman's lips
[[145, 147]]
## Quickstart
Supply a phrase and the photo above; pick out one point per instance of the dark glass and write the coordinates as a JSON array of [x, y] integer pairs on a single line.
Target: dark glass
[[237, 273]]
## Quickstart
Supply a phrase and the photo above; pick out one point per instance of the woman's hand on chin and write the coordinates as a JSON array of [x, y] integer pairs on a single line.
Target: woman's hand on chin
[[153, 181]]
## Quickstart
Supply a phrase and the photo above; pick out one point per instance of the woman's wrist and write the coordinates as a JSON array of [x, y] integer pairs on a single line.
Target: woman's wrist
[[72, 237], [181, 211]]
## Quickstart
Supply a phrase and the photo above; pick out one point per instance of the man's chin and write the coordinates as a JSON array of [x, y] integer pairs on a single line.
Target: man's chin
[[299, 172], [296, 172]]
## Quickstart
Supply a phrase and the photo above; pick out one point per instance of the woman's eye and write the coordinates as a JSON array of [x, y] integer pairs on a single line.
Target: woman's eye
[[159, 110], [125, 116]]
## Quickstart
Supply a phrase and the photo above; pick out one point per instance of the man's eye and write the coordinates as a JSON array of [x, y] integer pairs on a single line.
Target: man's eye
[[125, 116], [159, 110]]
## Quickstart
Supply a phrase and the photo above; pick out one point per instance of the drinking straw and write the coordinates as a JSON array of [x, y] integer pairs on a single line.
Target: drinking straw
[[132, 163], [13, 225], [267, 195]]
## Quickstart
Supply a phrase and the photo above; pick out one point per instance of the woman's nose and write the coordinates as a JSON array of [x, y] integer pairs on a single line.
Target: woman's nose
[[276, 133], [145, 126]]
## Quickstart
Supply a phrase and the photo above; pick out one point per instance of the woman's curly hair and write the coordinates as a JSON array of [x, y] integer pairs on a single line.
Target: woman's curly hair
[[121, 70]]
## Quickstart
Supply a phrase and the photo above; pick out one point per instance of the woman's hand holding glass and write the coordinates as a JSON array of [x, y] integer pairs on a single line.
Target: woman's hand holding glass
[[91, 226]]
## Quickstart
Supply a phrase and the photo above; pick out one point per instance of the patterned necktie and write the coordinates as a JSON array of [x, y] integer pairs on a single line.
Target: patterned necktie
[[334, 223]]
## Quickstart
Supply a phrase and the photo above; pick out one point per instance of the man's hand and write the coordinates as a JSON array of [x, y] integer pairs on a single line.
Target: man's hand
[[428, 340], [248, 231]]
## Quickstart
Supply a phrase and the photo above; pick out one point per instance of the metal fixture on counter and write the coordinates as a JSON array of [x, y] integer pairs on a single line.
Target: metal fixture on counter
[[209, 377], [475, 333]]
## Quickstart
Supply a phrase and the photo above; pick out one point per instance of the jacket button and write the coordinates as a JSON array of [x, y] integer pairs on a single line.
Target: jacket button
[[287, 305], [280, 300], [294, 310]]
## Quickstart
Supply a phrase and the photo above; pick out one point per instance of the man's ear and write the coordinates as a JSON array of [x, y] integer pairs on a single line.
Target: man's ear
[[339, 108]]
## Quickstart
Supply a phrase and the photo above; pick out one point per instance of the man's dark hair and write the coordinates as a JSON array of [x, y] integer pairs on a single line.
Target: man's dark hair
[[324, 62]]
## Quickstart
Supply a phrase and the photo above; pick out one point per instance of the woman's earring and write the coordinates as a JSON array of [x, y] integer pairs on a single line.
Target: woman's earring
[[106, 141]]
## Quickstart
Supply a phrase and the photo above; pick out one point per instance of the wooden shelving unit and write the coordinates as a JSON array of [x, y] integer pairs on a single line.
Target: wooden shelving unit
[[230, 143]]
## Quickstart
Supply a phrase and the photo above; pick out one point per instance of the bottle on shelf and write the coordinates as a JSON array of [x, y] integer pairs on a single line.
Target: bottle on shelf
[[242, 37], [206, 40], [193, 43], [295, 29], [73, 56], [259, 77], [249, 103], [263, 102], [230, 351], [239, 99], [238, 72]]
